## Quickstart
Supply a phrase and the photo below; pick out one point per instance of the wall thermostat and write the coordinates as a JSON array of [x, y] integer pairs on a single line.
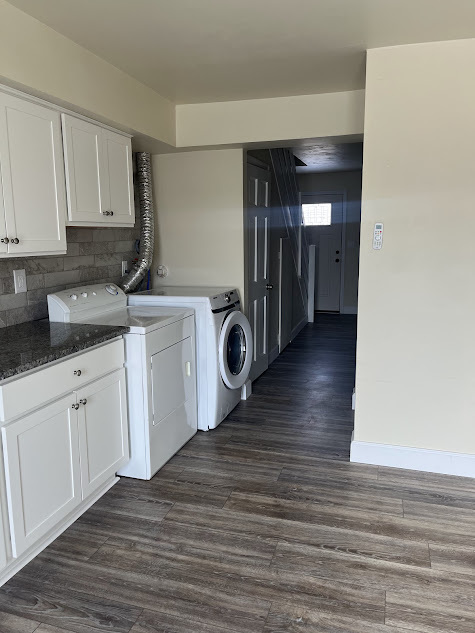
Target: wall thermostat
[[378, 236]]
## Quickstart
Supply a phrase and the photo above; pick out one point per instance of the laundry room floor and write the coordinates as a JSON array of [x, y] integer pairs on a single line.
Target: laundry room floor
[[263, 525]]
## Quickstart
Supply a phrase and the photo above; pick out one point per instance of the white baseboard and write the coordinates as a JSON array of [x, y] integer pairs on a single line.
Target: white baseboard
[[349, 310], [298, 327], [273, 354], [427, 460]]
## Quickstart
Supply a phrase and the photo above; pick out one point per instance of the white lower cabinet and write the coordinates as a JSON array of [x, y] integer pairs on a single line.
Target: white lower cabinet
[[3, 546], [62, 455], [103, 430], [41, 453]]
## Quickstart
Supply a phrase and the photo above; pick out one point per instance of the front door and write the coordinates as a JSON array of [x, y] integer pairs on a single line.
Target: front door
[[257, 235], [323, 218]]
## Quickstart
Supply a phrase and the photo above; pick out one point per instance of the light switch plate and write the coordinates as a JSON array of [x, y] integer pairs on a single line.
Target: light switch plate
[[124, 266], [19, 278]]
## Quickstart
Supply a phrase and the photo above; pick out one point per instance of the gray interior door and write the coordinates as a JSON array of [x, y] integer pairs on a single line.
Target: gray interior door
[[257, 226]]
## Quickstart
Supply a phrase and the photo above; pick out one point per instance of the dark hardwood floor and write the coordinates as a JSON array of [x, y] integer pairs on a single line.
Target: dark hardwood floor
[[263, 525]]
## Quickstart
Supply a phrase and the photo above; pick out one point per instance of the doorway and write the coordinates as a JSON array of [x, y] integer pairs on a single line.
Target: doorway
[[324, 220]]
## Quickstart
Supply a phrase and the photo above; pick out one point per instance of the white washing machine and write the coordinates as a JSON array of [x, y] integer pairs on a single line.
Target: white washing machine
[[160, 369], [223, 344]]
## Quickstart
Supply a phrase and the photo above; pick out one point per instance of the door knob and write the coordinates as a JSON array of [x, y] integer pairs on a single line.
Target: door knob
[[15, 240], [75, 406], [83, 401], [5, 240], [269, 286]]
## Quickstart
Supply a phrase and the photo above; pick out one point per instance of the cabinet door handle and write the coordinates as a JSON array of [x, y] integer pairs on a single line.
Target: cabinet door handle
[[111, 213], [188, 368], [75, 406], [5, 240], [15, 240], [83, 401], [77, 372]]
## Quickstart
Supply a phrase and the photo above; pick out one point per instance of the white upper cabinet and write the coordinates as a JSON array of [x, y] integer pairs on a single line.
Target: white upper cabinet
[[33, 200], [84, 161], [98, 174]]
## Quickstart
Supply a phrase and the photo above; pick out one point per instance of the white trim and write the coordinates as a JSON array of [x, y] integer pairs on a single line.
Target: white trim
[[422, 459], [349, 310], [298, 328], [57, 108], [311, 283], [274, 352], [17, 563]]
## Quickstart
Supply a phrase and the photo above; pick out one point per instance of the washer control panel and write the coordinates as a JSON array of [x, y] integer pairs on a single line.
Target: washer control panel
[[224, 299]]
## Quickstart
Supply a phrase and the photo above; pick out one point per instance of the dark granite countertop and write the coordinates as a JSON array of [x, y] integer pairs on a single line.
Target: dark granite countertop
[[32, 344]]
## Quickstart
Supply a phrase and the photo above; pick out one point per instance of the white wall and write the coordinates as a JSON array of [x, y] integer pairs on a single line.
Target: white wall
[[266, 120], [199, 202], [39, 60], [349, 183], [415, 382]]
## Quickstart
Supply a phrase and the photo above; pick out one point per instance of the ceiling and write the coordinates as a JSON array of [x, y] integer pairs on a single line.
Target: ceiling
[[217, 50], [323, 156]]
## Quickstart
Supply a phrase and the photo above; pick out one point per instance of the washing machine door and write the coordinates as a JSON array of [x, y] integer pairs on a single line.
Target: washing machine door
[[235, 350]]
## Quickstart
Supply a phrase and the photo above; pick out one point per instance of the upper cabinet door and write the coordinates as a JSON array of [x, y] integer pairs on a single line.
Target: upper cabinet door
[[98, 174], [118, 151], [86, 173], [3, 224], [32, 174]]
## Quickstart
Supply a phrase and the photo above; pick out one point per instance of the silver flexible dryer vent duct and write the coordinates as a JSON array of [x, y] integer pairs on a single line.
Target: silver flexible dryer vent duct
[[144, 187]]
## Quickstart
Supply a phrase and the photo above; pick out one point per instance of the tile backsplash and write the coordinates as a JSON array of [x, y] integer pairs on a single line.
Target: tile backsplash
[[94, 255]]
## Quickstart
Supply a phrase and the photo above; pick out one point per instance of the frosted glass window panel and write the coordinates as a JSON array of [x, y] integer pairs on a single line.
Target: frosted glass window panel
[[317, 214]]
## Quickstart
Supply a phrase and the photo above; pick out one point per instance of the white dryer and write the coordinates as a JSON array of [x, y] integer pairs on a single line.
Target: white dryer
[[223, 344], [160, 369]]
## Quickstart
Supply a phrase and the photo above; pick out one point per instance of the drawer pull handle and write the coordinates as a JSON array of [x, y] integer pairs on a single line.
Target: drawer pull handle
[[4, 240], [75, 406], [188, 368], [83, 401], [77, 372]]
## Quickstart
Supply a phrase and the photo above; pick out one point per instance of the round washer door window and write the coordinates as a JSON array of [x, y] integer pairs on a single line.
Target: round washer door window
[[235, 350]]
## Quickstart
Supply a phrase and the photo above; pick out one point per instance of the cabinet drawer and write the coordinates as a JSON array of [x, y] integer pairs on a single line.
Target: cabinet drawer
[[51, 381]]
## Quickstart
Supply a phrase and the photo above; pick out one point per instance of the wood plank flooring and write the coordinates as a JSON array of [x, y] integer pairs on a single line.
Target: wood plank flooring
[[263, 526]]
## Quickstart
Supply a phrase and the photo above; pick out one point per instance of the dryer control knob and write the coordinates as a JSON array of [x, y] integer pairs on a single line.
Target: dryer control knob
[[111, 289], [227, 298]]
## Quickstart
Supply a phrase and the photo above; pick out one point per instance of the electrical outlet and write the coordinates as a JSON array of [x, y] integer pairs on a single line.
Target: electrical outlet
[[124, 266], [19, 278]]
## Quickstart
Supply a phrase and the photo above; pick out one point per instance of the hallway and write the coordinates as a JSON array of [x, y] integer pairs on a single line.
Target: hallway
[[263, 526]]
